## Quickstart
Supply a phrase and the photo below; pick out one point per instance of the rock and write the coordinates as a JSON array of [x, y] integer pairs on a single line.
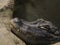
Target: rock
[[6, 13]]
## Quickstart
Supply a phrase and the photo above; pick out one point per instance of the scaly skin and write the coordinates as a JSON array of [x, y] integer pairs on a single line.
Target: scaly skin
[[37, 32]]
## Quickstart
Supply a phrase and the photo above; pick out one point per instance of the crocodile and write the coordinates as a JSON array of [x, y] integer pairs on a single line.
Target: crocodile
[[39, 32]]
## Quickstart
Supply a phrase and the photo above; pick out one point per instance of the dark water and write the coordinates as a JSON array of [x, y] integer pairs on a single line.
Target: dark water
[[34, 9]]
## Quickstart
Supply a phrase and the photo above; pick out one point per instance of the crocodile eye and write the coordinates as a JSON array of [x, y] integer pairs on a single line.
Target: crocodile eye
[[41, 27], [45, 27]]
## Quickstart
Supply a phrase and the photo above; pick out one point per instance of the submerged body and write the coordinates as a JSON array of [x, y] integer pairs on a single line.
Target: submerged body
[[37, 32]]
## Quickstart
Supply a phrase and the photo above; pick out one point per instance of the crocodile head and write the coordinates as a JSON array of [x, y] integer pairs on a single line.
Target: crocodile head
[[36, 32]]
